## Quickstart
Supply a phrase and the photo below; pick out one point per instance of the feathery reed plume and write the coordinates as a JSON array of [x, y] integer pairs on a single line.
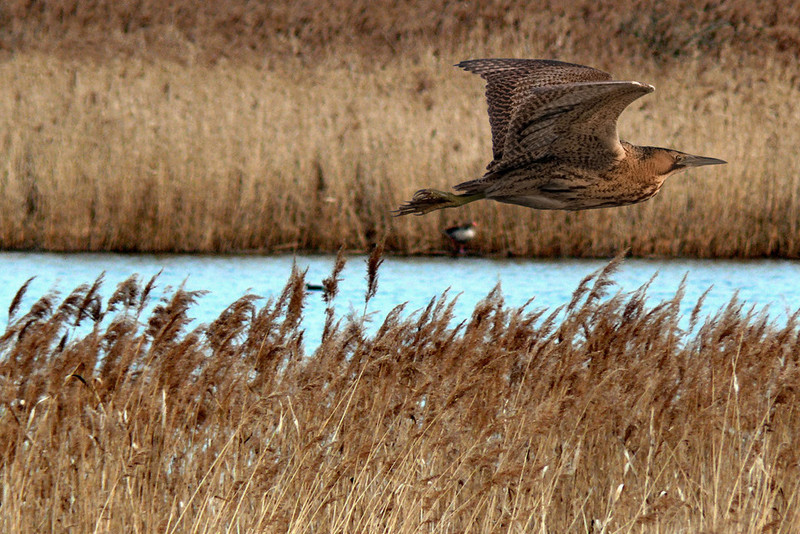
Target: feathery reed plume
[[125, 294], [331, 283], [373, 263], [92, 304], [71, 304], [292, 300], [603, 278], [602, 281], [231, 323], [17, 300], [148, 288], [40, 310], [697, 308], [168, 319], [331, 288]]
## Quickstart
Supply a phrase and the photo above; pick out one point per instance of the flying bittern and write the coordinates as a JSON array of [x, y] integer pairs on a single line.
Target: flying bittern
[[555, 142]]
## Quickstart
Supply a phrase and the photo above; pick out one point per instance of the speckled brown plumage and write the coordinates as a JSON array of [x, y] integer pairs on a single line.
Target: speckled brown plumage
[[555, 143]]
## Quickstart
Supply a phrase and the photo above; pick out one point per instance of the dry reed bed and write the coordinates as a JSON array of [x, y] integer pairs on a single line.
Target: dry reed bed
[[196, 126], [136, 154], [213, 31], [615, 416]]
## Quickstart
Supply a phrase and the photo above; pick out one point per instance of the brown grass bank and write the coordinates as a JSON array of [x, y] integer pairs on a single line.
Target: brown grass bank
[[610, 418], [189, 30], [197, 128]]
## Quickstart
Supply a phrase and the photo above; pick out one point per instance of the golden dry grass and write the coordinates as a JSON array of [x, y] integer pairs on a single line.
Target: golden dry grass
[[192, 128], [615, 416]]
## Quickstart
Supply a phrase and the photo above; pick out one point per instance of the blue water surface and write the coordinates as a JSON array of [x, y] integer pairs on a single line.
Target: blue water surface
[[760, 283]]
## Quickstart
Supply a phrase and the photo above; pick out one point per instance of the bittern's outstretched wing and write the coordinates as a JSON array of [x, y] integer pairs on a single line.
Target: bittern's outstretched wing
[[573, 123], [508, 82]]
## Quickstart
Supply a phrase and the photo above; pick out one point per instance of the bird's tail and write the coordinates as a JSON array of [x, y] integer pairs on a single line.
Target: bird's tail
[[428, 200]]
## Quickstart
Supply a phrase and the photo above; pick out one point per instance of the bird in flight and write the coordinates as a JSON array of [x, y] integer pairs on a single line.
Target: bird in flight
[[555, 142]]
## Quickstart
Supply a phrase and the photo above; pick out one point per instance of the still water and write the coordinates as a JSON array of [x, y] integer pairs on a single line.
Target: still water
[[773, 283]]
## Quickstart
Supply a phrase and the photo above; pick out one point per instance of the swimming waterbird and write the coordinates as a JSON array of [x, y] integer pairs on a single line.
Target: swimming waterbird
[[461, 234]]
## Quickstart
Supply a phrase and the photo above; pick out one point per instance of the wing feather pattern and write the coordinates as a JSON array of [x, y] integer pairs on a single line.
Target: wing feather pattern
[[564, 121], [508, 81]]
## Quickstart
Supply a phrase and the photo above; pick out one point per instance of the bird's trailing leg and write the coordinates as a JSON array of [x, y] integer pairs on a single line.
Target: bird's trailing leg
[[428, 200], [458, 248]]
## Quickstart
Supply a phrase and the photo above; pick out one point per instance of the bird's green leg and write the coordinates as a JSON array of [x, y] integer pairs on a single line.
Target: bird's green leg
[[428, 200]]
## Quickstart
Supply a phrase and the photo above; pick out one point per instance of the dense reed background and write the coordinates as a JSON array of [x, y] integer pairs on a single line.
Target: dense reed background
[[611, 416], [188, 126]]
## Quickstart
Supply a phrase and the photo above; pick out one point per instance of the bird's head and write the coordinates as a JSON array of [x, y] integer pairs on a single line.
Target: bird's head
[[668, 162]]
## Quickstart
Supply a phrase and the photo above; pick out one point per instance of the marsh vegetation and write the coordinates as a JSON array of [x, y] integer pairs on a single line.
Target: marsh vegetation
[[228, 126], [612, 415], [231, 127]]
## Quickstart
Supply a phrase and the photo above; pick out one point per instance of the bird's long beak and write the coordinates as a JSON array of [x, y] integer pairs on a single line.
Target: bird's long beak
[[699, 161]]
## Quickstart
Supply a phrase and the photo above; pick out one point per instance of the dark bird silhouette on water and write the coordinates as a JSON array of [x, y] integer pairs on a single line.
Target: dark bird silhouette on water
[[460, 235], [555, 142]]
